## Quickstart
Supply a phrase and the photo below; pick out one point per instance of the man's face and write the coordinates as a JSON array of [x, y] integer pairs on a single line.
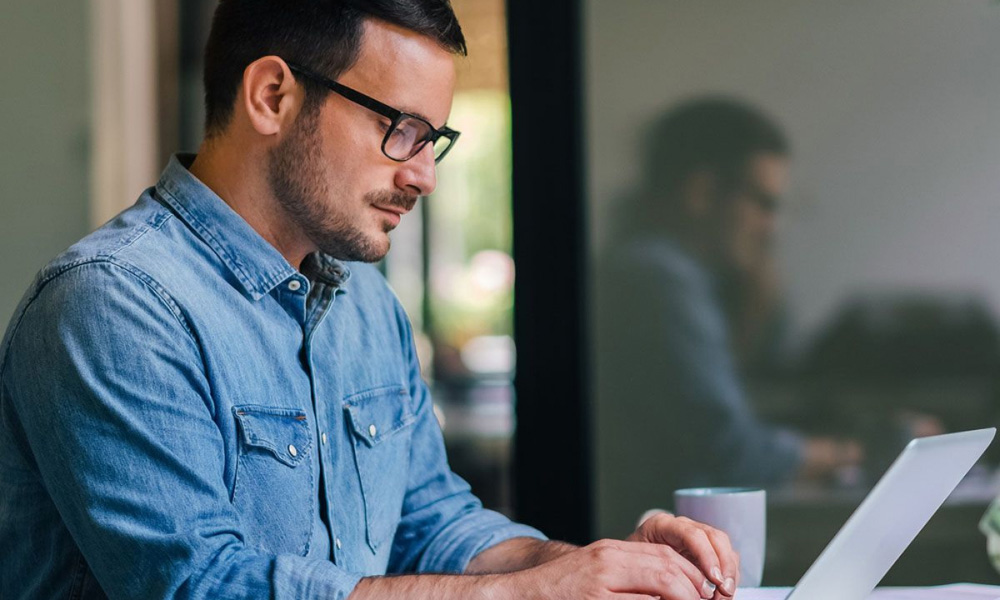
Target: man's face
[[748, 216], [329, 173]]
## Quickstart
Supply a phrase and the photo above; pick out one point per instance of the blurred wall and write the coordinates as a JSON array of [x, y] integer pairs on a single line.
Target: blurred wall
[[44, 125], [893, 109]]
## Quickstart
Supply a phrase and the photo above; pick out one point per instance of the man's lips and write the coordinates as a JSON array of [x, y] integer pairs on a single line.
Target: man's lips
[[393, 213], [393, 209]]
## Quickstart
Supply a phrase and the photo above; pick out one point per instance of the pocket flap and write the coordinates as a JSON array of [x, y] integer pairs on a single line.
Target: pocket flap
[[284, 432], [377, 414]]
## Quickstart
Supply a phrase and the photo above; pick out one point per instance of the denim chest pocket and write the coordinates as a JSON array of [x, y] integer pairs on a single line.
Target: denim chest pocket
[[273, 491], [381, 421]]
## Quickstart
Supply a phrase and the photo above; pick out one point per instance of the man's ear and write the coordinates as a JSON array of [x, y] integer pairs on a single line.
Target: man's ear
[[698, 194], [270, 97]]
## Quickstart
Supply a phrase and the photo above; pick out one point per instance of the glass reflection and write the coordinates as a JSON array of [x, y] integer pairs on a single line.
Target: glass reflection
[[794, 216], [689, 295]]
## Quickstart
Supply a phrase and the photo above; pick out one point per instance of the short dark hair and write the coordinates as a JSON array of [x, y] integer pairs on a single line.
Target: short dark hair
[[322, 35], [717, 134]]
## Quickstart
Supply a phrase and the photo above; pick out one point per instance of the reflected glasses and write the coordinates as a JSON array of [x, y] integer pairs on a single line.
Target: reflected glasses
[[407, 133]]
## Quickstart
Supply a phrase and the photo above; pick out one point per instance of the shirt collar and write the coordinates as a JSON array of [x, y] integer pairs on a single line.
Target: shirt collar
[[326, 269], [255, 263]]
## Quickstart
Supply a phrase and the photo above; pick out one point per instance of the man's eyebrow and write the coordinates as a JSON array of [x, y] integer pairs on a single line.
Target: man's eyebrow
[[421, 115]]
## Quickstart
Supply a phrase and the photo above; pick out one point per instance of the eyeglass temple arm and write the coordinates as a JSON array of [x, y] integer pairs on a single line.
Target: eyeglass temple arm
[[353, 95]]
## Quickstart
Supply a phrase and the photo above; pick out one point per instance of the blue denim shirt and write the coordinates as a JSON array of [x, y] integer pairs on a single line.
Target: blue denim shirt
[[183, 414]]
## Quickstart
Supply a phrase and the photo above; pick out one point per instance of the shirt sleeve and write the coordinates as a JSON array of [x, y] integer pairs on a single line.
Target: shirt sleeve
[[106, 381], [443, 525]]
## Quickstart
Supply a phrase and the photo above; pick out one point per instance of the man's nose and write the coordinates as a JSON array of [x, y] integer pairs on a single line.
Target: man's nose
[[419, 173]]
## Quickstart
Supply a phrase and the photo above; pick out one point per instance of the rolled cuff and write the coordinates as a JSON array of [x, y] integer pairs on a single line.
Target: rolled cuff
[[475, 532], [296, 577]]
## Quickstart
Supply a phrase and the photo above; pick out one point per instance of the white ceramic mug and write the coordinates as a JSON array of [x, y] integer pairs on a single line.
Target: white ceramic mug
[[741, 513]]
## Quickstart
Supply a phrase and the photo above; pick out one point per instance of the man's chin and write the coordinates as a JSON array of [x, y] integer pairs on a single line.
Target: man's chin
[[380, 248], [357, 248], [374, 258], [372, 252]]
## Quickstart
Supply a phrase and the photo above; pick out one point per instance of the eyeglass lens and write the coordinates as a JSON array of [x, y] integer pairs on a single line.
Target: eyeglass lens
[[409, 137], [441, 146]]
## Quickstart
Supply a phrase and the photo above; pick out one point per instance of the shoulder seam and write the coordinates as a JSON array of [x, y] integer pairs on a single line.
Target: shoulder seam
[[159, 291], [154, 225]]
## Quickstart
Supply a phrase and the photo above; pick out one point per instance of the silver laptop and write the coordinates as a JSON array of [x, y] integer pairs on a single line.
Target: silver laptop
[[895, 511]]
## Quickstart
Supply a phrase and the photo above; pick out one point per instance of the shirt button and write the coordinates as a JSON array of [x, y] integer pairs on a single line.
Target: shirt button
[[371, 430], [337, 543], [293, 450], [323, 438], [294, 285]]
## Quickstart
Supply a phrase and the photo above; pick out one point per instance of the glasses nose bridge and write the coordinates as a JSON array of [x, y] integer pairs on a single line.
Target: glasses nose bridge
[[427, 147], [428, 137]]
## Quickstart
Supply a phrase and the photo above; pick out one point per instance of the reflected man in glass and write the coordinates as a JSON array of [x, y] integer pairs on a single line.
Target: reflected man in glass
[[685, 289]]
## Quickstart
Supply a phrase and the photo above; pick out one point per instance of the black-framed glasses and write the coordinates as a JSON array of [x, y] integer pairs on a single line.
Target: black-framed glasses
[[407, 134]]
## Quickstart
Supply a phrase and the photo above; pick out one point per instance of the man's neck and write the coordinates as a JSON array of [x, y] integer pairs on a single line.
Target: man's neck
[[239, 178]]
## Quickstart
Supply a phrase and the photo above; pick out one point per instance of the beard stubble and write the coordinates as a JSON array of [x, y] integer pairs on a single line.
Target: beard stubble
[[295, 175]]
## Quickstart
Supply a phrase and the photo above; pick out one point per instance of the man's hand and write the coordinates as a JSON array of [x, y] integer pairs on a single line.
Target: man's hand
[[705, 547], [670, 558], [604, 570], [823, 456], [611, 569]]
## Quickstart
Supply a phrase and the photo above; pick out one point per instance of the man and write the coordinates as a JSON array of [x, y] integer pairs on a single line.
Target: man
[[212, 396], [686, 283]]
